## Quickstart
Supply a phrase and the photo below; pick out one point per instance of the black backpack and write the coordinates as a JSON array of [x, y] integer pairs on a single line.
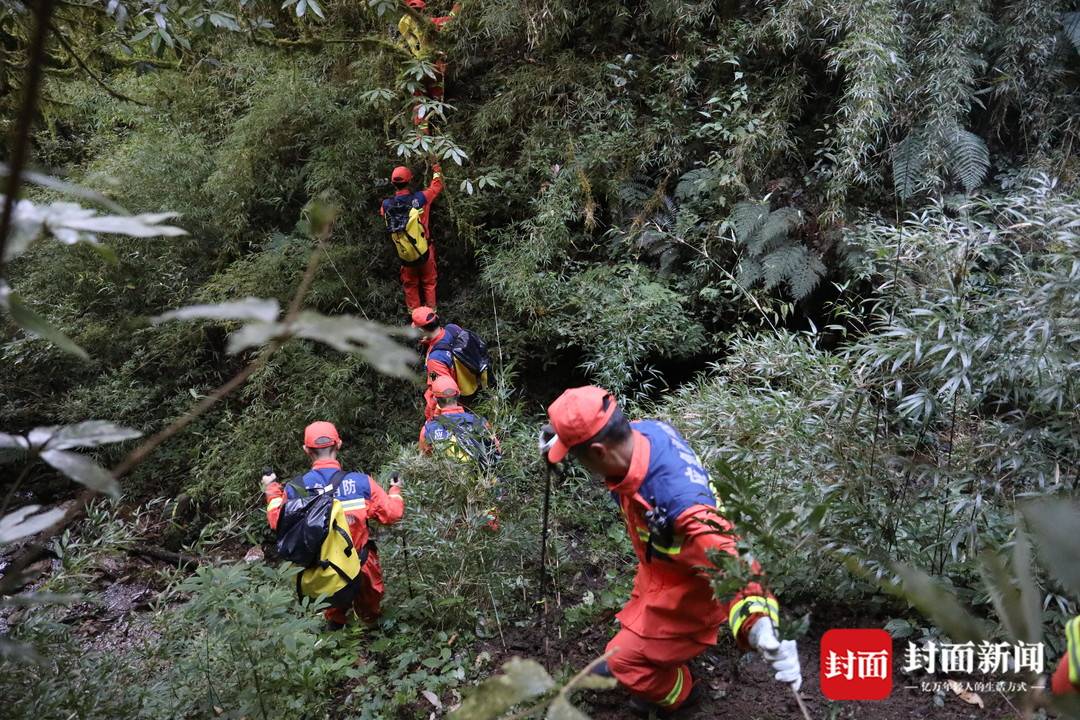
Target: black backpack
[[472, 352], [305, 522], [397, 214]]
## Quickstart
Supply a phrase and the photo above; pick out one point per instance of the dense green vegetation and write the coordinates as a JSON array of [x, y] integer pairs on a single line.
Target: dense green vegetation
[[834, 242]]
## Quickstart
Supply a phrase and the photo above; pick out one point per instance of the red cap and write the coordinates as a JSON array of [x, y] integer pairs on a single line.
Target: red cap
[[321, 434], [401, 174], [577, 415], [422, 316], [444, 387], [416, 4]]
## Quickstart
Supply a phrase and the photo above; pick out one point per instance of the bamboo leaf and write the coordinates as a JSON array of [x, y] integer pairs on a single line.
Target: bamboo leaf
[[27, 521], [82, 470], [35, 324]]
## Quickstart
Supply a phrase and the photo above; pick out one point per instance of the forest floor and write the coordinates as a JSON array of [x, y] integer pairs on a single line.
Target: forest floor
[[737, 685]]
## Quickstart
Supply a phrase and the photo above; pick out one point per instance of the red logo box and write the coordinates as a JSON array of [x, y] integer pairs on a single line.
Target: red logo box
[[856, 664]]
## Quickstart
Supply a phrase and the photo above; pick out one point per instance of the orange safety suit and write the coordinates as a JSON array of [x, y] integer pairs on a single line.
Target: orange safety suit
[[419, 281], [1066, 679], [672, 615], [422, 47], [362, 499], [436, 363]]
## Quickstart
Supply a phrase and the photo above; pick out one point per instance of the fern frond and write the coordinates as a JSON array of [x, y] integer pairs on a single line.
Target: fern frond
[[969, 158], [909, 163], [781, 264], [748, 272], [633, 193], [695, 183], [776, 228], [1071, 23], [746, 217], [803, 282], [794, 265]]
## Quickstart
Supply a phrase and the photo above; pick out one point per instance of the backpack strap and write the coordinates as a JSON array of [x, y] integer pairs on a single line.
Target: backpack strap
[[348, 539], [297, 484], [335, 482]]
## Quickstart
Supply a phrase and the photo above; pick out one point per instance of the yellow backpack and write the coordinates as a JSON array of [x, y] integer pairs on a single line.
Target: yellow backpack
[[404, 224], [314, 532]]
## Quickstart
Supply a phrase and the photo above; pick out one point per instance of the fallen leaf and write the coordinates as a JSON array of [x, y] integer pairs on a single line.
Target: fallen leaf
[[966, 695], [432, 698], [255, 554]]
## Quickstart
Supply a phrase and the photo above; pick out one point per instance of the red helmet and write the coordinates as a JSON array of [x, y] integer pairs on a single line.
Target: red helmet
[[422, 316], [401, 175], [416, 4], [321, 434], [444, 387]]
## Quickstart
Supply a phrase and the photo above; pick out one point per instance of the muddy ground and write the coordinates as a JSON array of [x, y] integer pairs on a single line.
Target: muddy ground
[[739, 686], [736, 685]]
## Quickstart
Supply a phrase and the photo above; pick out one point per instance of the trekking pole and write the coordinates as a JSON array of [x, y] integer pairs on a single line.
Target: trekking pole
[[544, 534], [404, 545], [802, 703]]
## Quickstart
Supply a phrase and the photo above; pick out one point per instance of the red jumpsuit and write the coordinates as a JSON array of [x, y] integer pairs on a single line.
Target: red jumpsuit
[[418, 281], [423, 47], [386, 507], [1066, 679], [672, 615], [433, 369]]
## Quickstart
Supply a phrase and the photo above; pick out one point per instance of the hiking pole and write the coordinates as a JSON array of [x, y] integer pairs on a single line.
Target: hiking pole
[[544, 533], [546, 441], [802, 703], [394, 479]]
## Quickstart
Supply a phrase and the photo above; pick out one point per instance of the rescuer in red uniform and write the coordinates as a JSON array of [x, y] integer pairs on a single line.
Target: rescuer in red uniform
[[671, 515]]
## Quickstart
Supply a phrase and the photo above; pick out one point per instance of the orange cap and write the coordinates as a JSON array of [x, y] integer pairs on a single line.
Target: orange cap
[[577, 415], [444, 386], [422, 316], [401, 174], [321, 434]]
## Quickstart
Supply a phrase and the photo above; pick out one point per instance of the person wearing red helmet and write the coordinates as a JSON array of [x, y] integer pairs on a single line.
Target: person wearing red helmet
[[436, 341], [420, 43], [671, 514], [418, 277], [456, 431], [361, 498], [458, 434]]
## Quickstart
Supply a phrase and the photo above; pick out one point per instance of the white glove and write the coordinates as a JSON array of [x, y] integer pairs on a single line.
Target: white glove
[[782, 656], [267, 479], [546, 441]]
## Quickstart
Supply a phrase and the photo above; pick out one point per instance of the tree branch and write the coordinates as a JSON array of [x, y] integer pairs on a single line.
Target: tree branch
[[144, 450], [86, 68], [20, 145]]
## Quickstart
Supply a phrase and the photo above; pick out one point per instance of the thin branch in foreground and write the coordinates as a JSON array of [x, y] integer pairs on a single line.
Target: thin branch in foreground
[[20, 147], [145, 449], [86, 68]]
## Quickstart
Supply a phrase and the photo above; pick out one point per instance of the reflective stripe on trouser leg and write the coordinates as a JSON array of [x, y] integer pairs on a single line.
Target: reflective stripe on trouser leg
[[683, 684], [654, 669]]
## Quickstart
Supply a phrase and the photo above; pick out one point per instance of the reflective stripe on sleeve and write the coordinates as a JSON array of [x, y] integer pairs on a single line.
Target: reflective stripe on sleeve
[[276, 502], [750, 606], [644, 536], [1072, 637]]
